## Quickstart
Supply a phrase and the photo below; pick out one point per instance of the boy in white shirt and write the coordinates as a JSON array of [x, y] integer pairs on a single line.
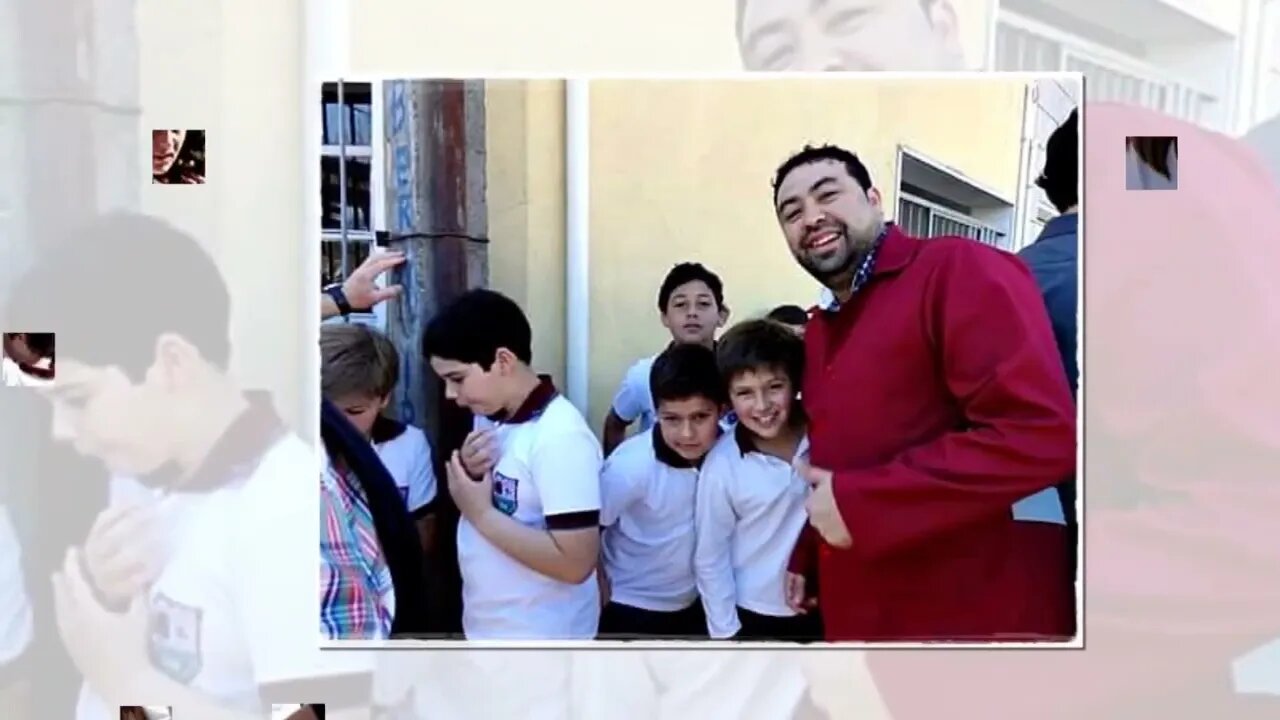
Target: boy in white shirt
[[649, 485], [28, 359], [529, 535], [359, 368], [750, 501], [218, 616], [691, 307]]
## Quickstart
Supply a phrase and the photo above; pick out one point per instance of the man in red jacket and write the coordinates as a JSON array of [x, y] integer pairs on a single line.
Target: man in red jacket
[[941, 420]]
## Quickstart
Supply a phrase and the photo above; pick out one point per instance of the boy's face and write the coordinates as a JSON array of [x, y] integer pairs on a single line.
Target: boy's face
[[693, 315], [362, 409], [482, 392], [15, 347], [129, 427], [689, 426], [762, 400]]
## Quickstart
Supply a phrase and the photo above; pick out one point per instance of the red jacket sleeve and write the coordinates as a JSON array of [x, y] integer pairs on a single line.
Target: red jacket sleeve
[[997, 353]]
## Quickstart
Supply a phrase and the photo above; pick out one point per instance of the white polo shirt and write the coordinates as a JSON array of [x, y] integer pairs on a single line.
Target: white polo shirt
[[647, 507], [14, 377], [16, 625], [750, 513], [406, 453], [234, 607], [549, 466], [634, 401]]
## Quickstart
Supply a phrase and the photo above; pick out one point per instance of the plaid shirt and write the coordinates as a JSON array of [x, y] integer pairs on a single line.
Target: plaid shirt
[[357, 601]]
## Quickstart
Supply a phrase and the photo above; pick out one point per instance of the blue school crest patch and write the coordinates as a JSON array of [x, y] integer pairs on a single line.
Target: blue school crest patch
[[505, 493], [173, 638]]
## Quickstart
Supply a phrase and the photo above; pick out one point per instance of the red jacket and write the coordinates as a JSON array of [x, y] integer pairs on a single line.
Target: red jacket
[[937, 397]]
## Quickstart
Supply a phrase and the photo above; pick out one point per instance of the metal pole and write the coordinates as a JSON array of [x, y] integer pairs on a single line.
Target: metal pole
[[342, 174]]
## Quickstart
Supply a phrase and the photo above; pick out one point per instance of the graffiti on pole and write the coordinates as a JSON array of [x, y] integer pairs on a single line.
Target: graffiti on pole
[[406, 332]]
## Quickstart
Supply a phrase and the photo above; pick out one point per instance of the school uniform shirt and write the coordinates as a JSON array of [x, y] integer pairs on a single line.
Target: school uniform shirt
[[634, 401], [750, 513], [15, 375], [547, 477], [936, 396], [406, 453], [647, 509], [233, 608], [16, 625]]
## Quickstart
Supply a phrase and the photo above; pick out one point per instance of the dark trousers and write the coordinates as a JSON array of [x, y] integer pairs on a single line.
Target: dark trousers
[[798, 628], [624, 622]]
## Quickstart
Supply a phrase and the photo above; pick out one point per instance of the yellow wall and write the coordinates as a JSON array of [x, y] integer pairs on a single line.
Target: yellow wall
[[680, 170], [575, 35]]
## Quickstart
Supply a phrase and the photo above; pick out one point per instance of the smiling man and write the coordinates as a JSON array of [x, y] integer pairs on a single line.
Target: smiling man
[[940, 420], [828, 35]]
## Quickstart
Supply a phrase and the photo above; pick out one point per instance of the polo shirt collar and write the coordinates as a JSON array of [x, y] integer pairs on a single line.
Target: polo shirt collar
[[1068, 224], [237, 452], [385, 429], [533, 405], [747, 444], [892, 252]]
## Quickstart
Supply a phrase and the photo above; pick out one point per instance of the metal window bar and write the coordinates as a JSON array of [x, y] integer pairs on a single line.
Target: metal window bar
[[342, 176], [925, 219]]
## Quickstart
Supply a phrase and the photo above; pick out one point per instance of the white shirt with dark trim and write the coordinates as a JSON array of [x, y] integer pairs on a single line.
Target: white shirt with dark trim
[[407, 457], [16, 626], [647, 510], [234, 607], [548, 466], [14, 376], [634, 401], [750, 511]]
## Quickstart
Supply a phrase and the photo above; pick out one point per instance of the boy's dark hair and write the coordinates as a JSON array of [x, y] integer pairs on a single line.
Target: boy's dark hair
[[685, 273], [789, 314], [357, 360], [684, 371], [811, 154], [118, 283], [474, 326], [1060, 178], [757, 345]]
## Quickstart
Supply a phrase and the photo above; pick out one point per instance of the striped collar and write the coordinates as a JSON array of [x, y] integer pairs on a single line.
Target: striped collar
[[890, 252]]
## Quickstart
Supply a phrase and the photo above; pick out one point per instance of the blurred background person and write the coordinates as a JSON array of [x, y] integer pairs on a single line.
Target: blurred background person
[[1151, 163], [778, 35], [177, 157]]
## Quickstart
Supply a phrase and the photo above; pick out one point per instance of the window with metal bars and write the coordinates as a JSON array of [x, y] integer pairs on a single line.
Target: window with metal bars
[[922, 218], [349, 123]]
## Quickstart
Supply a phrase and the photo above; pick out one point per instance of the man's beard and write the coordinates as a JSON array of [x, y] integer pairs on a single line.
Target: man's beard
[[835, 270]]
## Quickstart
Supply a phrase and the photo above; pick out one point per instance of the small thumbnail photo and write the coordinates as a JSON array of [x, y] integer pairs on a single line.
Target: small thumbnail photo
[[145, 712], [1151, 163], [26, 359], [297, 712], [177, 157]]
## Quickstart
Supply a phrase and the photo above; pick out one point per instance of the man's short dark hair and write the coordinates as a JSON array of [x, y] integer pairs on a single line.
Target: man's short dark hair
[[474, 326], [789, 314], [685, 273], [812, 154], [685, 371], [115, 285], [1060, 178], [756, 345]]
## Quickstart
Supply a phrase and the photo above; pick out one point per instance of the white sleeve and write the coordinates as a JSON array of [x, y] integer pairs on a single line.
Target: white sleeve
[[712, 557], [621, 483], [422, 476], [274, 589], [16, 620], [630, 401], [566, 472]]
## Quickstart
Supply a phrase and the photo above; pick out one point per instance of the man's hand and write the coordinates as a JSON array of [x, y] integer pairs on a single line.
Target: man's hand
[[120, 553], [473, 497], [361, 286], [796, 599], [824, 516], [479, 453]]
